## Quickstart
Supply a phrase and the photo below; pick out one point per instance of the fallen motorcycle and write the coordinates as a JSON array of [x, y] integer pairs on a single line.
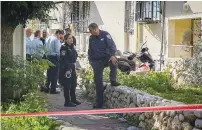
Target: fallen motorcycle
[[128, 64]]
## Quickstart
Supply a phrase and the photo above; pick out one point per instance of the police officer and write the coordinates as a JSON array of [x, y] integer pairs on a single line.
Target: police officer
[[101, 53], [67, 77], [68, 30]]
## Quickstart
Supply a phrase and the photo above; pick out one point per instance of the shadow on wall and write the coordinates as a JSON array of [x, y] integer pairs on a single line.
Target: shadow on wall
[[155, 30], [152, 34], [95, 15], [176, 8]]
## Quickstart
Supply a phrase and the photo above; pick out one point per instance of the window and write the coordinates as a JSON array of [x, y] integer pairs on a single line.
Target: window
[[80, 16], [183, 34], [148, 11], [129, 15], [75, 16], [86, 15], [75, 11]]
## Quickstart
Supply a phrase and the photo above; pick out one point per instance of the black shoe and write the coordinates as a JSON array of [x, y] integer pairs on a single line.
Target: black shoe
[[97, 107], [43, 88], [76, 102], [46, 90], [114, 83], [69, 104], [54, 92]]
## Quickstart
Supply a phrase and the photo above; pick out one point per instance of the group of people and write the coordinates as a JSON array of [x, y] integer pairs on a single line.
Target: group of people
[[62, 53], [33, 47]]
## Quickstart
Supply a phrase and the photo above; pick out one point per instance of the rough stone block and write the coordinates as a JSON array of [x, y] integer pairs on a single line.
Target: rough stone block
[[196, 129], [189, 115], [181, 117], [186, 126], [172, 113], [176, 125], [142, 124], [198, 113], [198, 123]]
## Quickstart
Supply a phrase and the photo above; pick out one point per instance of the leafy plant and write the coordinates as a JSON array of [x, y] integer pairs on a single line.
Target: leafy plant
[[32, 103], [20, 77], [87, 82], [155, 83], [113, 116], [192, 68]]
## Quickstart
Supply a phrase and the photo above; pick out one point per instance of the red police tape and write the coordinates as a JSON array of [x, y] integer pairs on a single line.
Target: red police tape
[[105, 111]]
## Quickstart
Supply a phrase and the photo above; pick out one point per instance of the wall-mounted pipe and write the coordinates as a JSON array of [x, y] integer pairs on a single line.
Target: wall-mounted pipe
[[162, 35]]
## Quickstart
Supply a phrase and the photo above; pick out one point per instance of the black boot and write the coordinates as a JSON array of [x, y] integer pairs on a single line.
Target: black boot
[[69, 104], [114, 83], [54, 92], [46, 90], [96, 106], [76, 102]]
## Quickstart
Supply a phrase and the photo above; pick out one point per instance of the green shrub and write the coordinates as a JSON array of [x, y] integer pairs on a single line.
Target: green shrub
[[87, 79], [20, 77], [32, 103], [161, 84]]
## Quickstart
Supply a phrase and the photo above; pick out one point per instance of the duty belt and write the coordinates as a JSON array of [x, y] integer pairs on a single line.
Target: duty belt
[[71, 63], [68, 73]]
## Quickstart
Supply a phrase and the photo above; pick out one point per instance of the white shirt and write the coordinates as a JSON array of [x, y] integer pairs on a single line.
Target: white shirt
[[37, 47]]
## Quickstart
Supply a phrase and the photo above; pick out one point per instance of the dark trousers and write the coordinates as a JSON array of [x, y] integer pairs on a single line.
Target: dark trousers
[[98, 68], [52, 73], [28, 57], [69, 85]]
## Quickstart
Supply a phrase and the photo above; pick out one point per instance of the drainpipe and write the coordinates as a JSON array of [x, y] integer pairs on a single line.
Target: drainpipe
[[137, 37], [162, 35], [201, 31]]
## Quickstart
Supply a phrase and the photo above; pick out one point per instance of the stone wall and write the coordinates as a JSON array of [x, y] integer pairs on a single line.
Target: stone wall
[[124, 97]]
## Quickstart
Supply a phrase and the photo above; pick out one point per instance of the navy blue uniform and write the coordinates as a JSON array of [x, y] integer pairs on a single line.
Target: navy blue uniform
[[101, 48], [67, 76]]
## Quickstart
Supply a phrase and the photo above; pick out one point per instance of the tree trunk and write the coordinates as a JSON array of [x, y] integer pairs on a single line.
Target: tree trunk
[[7, 40]]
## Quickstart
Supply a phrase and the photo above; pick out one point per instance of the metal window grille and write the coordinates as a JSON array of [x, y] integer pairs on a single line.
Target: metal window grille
[[148, 11], [67, 9], [129, 15], [86, 15], [80, 16], [75, 16]]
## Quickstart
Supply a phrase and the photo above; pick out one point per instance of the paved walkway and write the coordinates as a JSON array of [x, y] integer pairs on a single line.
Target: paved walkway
[[82, 122]]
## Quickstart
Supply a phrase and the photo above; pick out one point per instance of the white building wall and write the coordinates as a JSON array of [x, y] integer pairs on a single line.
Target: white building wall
[[56, 14], [175, 8], [132, 47], [19, 47], [152, 34], [110, 17], [94, 14]]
